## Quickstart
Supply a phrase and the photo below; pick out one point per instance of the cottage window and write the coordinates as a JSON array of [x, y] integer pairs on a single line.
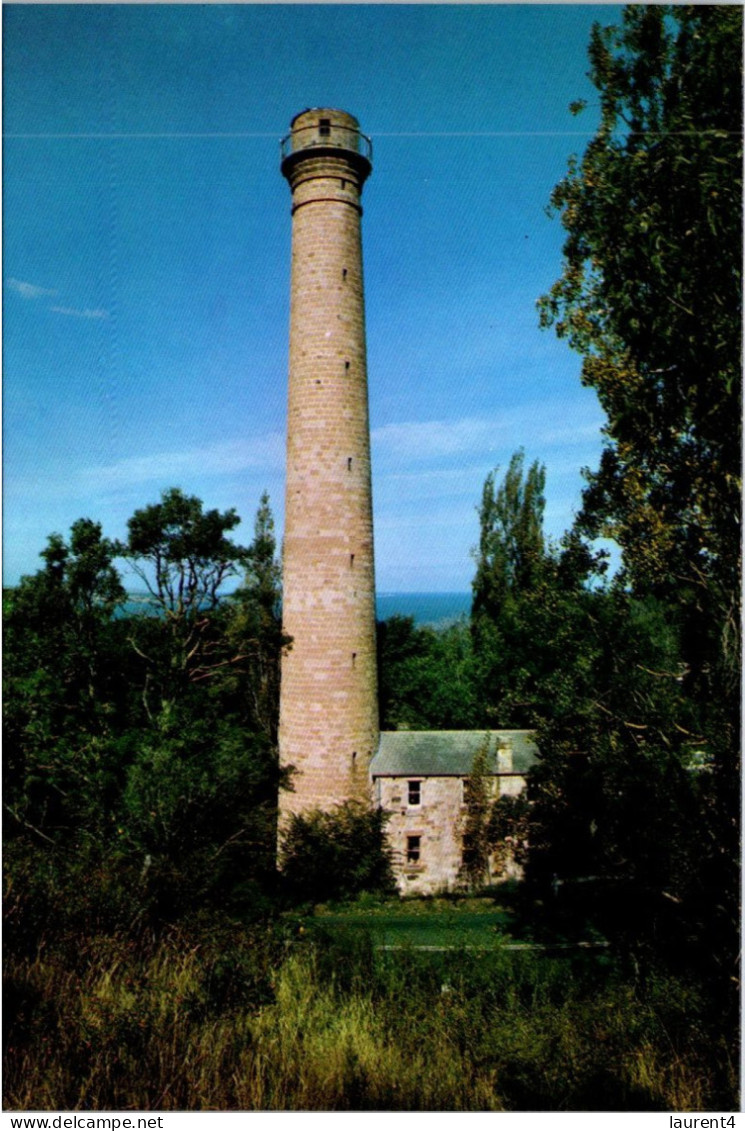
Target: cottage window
[[415, 793], [413, 849]]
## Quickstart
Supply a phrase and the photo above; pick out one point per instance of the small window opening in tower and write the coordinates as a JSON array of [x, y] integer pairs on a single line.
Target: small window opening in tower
[[413, 849], [343, 184], [346, 366], [351, 561], [343, 272], [349, 463], [324, 127], [354, 658]]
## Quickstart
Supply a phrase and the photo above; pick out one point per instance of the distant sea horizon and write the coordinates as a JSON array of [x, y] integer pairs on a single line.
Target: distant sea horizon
[[429, 610]]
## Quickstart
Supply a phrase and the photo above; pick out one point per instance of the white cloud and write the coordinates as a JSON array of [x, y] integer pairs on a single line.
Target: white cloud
[[28, 290], [73, 313], [420, 440], [544, 425], [95, 484], [261, 452], [32, 291]]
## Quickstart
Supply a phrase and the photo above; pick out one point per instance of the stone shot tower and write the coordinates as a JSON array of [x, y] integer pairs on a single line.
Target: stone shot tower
[[328, 726]]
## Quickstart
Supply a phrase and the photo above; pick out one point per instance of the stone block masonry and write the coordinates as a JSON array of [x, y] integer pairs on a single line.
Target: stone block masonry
[[328, 713]]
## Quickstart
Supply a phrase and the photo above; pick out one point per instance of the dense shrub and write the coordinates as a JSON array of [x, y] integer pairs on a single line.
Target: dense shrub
[[336, 854]]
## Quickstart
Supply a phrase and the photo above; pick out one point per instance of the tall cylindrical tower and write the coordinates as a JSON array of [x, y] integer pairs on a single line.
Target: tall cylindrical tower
[[328, 727]]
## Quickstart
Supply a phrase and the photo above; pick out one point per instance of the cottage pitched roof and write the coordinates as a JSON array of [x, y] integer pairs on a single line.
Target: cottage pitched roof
[[450, 753]]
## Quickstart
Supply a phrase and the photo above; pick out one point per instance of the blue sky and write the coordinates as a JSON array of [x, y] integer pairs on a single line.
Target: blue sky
[[147, 253]]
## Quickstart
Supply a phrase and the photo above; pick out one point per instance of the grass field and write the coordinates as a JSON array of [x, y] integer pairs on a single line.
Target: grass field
[[483, 923], [323, 1022], [308, 1013], [420, 923]]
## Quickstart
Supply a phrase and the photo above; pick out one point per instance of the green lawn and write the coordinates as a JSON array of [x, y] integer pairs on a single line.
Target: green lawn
[[424, 923], [482, 922]]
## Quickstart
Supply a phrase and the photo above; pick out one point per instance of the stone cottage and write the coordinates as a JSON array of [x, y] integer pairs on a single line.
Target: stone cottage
[[420, 777]]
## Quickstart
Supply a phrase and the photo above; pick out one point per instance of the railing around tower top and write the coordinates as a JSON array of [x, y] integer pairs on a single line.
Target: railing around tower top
[[326, 135]]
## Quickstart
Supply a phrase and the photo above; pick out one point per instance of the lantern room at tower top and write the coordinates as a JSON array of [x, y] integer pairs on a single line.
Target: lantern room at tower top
[[326, 131]]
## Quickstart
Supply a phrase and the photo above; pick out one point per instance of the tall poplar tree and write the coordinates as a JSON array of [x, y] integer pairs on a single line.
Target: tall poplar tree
[[511, 564]]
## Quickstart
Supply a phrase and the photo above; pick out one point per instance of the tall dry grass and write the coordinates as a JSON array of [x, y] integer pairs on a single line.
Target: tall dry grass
[[189, 1027]]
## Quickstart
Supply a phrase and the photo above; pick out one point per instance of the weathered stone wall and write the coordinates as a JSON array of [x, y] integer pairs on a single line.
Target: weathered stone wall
[[329, 714], [438, 820]]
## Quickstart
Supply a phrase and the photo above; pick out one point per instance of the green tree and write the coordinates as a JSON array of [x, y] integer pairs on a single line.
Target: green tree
[[475, 840], [511, 551], [58, 614], [120, 812], [183, 556], [254, 628], [530, 602], [200, 796], [62, 693], [650, 296], [197, 813], [622, 713], [510, 561], [426, 676], [336, 854]]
